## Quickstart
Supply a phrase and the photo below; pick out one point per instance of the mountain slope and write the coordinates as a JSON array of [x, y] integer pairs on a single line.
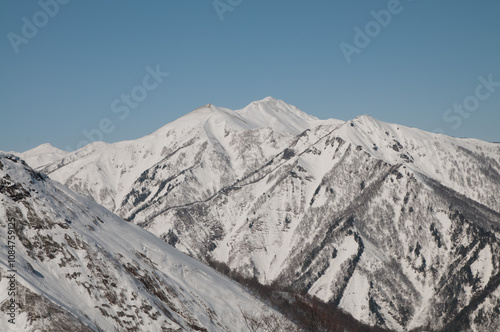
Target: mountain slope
[[468, 166], [398, 226], [211, 146], [332, 219], [79, 267]]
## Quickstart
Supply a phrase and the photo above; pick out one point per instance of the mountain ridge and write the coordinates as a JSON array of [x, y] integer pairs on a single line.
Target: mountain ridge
[[323, 206]]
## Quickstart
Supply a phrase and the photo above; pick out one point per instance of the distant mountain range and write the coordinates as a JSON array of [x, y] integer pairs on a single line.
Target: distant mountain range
[[397, 226]]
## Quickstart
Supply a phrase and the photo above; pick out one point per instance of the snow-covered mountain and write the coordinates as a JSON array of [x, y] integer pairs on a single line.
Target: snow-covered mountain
[[42, 155], [397, 226], [215, 145], [81, 268]]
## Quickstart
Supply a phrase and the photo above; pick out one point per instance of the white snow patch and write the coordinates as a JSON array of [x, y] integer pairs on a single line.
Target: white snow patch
[[355, 299], [322, 288], [483, 266]]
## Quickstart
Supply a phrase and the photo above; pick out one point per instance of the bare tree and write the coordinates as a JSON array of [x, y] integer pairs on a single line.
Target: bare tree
[[267, 322]]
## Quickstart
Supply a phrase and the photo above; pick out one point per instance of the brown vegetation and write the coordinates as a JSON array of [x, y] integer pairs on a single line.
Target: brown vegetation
[[307, 312]]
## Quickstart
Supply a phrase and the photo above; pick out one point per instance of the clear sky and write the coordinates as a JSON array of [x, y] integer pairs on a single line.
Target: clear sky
[[70, 67]]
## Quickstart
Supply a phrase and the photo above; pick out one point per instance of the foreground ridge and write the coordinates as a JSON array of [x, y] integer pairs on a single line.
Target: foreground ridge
[[73, 265]]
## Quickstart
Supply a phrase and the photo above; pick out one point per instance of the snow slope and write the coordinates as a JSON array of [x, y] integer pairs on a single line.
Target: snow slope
[[214, 144], [79, 267]]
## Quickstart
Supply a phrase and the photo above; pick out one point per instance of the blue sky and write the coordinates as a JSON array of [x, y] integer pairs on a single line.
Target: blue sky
[[421, 67]]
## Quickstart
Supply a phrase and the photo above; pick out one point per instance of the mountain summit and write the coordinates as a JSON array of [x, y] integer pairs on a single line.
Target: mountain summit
[[42, 155]]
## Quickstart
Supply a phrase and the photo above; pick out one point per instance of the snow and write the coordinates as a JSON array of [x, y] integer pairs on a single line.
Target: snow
[[355, 299], [42, 155], [277, 114], [323, 288], [483, 266], [434, 155], [445, 221], [108, 172], [187, 166], [112, 243]]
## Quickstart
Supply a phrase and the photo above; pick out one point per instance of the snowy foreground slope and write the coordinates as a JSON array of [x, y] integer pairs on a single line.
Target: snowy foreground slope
[[397, 226], [81, 268]]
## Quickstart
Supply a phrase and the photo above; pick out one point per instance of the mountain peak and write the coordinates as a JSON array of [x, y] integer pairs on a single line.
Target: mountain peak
[[42, 155], [45, 148], [268, 99], [364, 119], [267, 112], [365, 116], [277, 114]]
